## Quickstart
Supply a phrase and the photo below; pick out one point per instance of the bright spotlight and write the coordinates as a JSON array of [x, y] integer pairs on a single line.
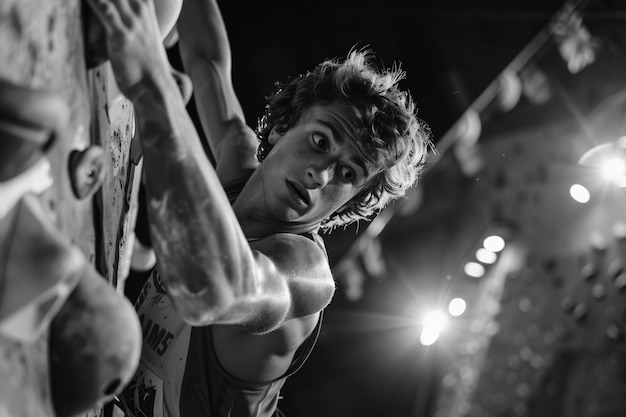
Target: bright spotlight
[[608, 158], [486, 256], [474, 269], [428, 337], [579, 193], [457, 307], [434, 322], [493, 243], [435, 319], [613, 168]]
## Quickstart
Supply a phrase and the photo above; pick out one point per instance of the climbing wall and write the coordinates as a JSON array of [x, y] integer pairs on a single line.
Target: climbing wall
[[546, 337], [549, 340], [43, 48]]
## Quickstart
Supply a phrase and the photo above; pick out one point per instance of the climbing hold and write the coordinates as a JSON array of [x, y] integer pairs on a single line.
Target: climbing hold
[[588, 272], [30, 120], [86, 171], [94, 346], [614, 333], [567, 304], [580, 312], [39, 271], [598, 291]]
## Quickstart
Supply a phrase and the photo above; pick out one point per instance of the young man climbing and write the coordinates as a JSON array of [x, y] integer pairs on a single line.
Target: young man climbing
[[235, 302]]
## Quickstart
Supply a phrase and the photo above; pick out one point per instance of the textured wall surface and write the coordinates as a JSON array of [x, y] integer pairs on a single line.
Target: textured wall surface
[[549, 342], [42, 47], [552, 342]]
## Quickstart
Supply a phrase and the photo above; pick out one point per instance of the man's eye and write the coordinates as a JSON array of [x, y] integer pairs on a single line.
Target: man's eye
[[320, 141], [348, 174]]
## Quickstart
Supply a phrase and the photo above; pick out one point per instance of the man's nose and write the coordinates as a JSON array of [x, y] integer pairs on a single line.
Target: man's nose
[[319, 176]]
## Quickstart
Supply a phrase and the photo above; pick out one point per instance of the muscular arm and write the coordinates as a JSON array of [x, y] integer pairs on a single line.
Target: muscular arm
[[209, 269], [202, 253], [212, 274], [206, 56]]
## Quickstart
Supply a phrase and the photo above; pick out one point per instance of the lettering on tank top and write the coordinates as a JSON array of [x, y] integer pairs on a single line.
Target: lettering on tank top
[[156, 337]]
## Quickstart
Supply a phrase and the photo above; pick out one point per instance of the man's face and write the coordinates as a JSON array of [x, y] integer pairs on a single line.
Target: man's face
[[314, 168]]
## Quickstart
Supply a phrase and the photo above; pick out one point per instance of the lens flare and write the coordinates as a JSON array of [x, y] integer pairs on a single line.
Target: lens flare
[[434, 323], [457, 307]]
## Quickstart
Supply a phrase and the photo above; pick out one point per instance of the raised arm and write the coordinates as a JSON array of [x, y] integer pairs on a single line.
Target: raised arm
[[209, 269], [206, 56]]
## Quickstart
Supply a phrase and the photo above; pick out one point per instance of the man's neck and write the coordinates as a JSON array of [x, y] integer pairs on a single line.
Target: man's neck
[[253, 217]]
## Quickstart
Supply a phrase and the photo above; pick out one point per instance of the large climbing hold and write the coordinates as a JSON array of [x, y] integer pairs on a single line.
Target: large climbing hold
[[39, 271], [94, 346], [30, 119]]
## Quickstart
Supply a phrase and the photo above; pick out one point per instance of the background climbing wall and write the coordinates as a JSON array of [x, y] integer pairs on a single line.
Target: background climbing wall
[[43, 47], [551, 335], [549, 341]]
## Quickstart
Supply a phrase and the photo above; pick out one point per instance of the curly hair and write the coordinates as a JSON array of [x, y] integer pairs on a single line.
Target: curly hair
[[390, 135]]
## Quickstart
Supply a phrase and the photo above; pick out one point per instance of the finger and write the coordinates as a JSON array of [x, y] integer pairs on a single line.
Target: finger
[[145, 8], [126, 12], [108, 15], [136, 5]]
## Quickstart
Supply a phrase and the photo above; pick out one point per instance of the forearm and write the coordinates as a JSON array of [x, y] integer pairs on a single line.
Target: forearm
[[207, 266], [202, 254]]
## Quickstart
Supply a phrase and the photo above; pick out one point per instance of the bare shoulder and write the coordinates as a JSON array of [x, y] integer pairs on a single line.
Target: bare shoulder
[[296, 253], [304, 264]]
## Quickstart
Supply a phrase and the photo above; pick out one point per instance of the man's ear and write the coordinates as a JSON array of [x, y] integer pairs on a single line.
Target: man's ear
[[275, 134]]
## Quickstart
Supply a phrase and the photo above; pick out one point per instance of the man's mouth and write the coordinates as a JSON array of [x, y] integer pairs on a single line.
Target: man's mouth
[[298, 193]]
